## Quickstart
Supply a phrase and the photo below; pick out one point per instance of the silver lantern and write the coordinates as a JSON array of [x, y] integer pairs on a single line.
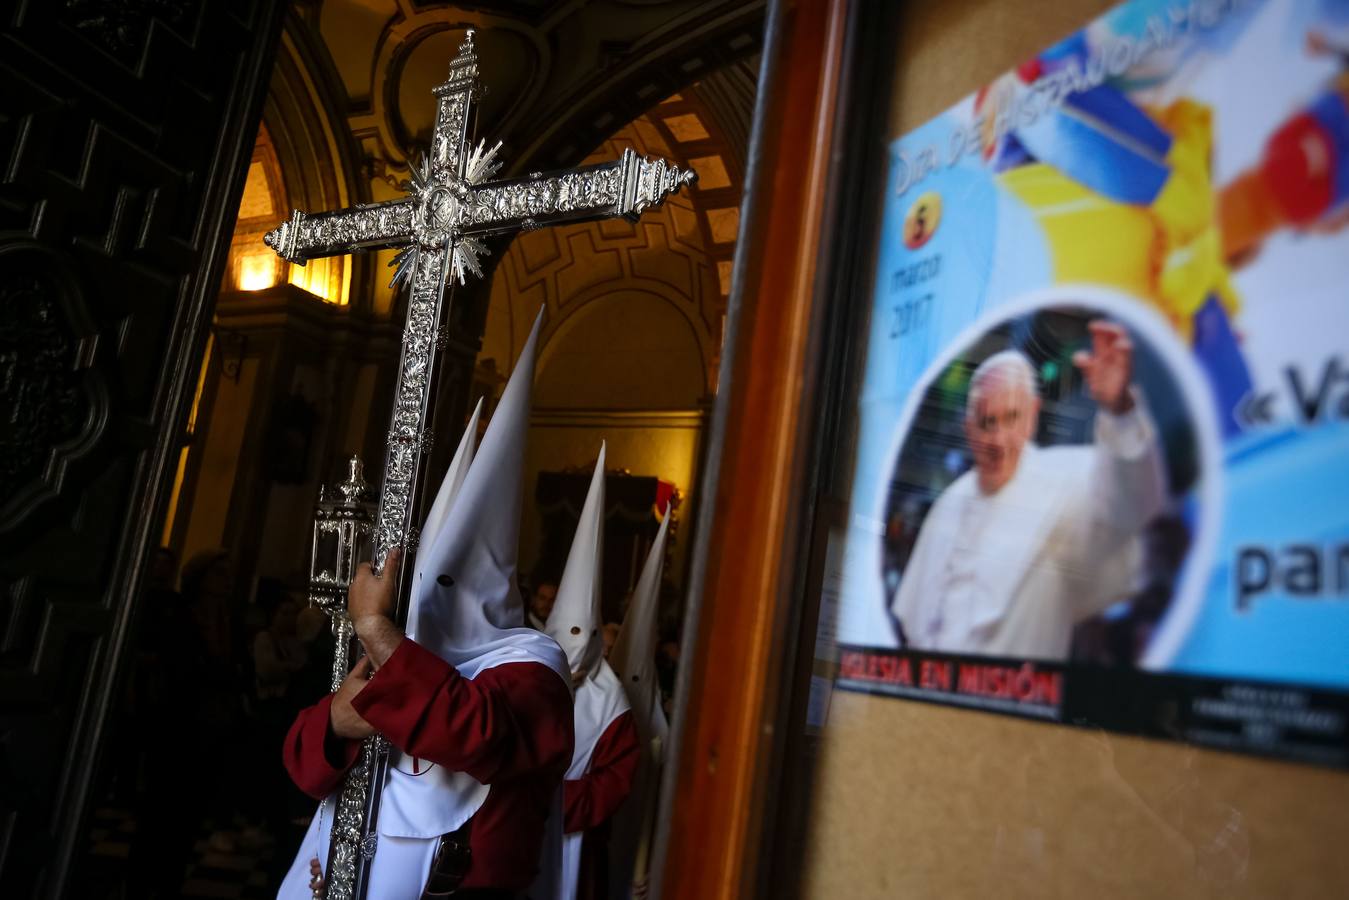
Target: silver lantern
[[343, 522]]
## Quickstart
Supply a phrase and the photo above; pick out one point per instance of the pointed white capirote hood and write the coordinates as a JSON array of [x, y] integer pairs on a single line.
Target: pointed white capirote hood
[[465, 607], [454, 479], [575, 624], [633, 660], [633, 657], [575, 620], [464, 603]]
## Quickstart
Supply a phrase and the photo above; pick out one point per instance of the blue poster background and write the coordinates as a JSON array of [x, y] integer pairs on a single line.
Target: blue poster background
[[1124, 194]]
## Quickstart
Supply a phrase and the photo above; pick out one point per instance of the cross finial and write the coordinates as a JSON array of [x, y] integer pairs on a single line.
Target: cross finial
[[467, 51], [464, 66]]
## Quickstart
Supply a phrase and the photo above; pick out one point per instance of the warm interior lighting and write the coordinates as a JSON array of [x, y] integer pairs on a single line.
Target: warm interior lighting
[[257, 272], [201, 385], [167, 537], [303, 277], [319, 279], [178, 477]]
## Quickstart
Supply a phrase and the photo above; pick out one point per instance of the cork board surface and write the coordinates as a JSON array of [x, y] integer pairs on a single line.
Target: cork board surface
[[916, 800], [949, 50]]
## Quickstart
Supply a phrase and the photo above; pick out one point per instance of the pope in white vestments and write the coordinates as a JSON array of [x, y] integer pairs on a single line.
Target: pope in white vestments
[[1032, 540]]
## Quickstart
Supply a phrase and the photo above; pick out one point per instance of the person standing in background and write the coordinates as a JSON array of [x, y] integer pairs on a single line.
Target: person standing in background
[[541, 600], [607, 752], [218, 706], [278, 658]]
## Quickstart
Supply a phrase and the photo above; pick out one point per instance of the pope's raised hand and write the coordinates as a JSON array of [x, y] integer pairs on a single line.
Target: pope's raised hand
[[1109, 367]]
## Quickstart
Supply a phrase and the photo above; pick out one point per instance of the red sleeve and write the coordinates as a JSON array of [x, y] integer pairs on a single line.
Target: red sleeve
[[591, 799], [316, 758], [511, 720]]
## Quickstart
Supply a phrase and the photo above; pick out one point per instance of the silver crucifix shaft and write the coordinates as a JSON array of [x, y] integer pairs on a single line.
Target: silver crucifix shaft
[[451, 204]]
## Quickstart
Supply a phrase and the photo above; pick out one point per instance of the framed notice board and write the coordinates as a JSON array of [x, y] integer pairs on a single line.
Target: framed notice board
[[1079, 596]]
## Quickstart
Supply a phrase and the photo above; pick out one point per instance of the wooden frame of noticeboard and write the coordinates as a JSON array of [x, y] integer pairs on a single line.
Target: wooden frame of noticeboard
[[722, 785], [896, 797]]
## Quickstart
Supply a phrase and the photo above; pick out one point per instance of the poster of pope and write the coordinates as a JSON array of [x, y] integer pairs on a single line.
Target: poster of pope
[[1032, 540], [1100, 429]]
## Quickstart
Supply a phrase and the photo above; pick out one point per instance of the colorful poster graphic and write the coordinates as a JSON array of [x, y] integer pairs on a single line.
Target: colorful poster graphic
[[1102, 473]]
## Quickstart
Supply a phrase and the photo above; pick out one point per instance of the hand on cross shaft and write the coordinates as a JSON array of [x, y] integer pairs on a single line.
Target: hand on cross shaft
[[316, 882], [370, 604], [1109, 367], [345, 721], [371, 595]]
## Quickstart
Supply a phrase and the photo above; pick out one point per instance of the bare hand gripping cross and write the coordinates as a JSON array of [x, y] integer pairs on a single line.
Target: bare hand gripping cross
[[451, 204]]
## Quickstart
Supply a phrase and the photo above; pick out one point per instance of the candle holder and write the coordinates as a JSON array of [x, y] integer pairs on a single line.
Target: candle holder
[[343, 524]]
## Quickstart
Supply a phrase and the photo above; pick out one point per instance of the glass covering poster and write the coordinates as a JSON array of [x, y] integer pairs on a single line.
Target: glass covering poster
[[1102, 473]]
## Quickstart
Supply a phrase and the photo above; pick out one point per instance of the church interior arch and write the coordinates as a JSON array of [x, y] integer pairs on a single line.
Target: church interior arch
[[300, 367], [344, 114], [628, 348], [633, 323], [343, 117], [272, 395], [298, 362]]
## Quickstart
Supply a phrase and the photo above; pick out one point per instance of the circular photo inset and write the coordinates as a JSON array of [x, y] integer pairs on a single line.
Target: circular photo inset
[[1042, 501]]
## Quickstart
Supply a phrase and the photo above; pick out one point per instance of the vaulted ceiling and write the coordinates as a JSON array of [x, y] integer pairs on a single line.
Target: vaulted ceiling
[[353, 84], [561, 76], [635, 318]]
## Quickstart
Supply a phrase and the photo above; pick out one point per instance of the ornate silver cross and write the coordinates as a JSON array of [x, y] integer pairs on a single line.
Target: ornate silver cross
[[450, 206]]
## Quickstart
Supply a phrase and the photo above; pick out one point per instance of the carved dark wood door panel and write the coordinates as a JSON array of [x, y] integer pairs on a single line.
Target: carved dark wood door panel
[[126, 128]]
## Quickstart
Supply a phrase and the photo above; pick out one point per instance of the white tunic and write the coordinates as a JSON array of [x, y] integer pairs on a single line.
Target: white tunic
[[1011, 573], [466, 608], [600, 700], [415, 810], [398, 871]]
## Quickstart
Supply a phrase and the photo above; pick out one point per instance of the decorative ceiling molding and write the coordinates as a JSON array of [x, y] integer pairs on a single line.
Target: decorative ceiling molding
[[596, 65], [307, 108], [584, 69], [728, 96], [667, 255], [399, 42], [317, 162], [705, 37], [719, 162]]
